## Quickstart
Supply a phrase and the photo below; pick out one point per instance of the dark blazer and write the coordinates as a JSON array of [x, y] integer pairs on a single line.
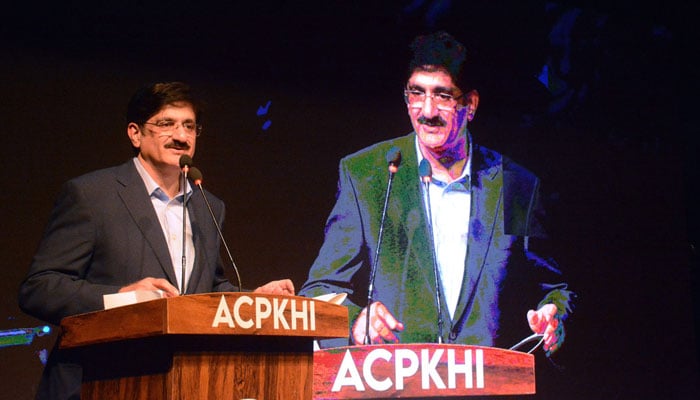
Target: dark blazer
[[104, 234], [496, 291]]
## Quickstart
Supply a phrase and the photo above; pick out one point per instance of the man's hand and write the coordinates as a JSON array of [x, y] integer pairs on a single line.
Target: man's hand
[[543, 321], [152, 284], [284, 286], [381, 326]]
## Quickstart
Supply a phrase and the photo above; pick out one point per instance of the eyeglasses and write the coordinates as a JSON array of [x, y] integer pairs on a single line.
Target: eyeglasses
[[443, 101], [167, 127]]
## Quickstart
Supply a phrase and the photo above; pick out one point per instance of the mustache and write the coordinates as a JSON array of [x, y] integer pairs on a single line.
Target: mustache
[[177, 145], [434, 121]]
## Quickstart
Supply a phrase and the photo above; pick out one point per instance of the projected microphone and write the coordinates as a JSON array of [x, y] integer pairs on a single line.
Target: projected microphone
[[185, 164], [196, 176], [426, 173], [393, 158]]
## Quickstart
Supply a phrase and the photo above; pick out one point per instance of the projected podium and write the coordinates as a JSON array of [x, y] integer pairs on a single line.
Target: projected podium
[[215, 345], [421, 371]]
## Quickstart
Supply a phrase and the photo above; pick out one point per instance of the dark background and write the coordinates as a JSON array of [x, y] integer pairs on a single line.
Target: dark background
[[610, 135]]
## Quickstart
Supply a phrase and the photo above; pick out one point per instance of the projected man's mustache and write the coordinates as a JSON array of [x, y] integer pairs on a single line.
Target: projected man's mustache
[[434, 121]]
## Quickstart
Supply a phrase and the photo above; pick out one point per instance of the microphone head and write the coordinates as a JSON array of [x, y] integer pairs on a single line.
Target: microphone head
[[196, 175], [185, 161], [425, 170], [393, 158]]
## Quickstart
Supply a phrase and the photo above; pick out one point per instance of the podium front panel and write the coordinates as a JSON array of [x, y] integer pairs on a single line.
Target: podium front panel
[[230, 313], [214, 345], [421, 371]]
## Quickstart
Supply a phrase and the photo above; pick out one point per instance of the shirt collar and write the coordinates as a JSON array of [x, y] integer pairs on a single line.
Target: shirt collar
[[466, 173], [152, 187]]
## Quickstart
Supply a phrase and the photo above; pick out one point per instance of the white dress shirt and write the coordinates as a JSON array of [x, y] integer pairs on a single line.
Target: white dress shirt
[[450, 206]]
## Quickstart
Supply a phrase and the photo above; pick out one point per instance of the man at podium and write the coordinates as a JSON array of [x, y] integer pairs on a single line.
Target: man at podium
[[121, 229], [442, 228]]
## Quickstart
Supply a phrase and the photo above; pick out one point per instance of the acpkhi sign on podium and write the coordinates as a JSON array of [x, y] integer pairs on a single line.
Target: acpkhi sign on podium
[[421, 371]]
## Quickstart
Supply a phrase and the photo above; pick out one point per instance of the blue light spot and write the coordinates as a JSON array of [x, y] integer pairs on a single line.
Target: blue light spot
[[262, 110]]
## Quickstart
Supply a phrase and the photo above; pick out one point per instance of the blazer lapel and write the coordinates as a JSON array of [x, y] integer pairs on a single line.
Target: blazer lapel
[[486, 198], [413, 218], [413, 215], [134, 196]]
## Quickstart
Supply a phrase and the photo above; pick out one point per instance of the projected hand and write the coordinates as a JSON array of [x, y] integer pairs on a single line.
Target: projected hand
[[381, 327], [544, 321], [283, 286]]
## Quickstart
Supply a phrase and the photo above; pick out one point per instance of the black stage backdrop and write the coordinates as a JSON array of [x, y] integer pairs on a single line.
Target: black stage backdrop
[[292, 87]]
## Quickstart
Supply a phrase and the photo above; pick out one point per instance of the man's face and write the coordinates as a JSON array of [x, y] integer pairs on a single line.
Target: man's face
[[438, 123], [165, 136]]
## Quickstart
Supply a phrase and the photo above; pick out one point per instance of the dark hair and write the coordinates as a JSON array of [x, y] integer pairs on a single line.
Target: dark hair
[[439, 51], [149, 99]]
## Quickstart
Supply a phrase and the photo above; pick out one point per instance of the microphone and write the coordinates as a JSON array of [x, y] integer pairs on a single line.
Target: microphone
[[426, 173], [185, 164], [196, 176], [185, 161], [393, 158]]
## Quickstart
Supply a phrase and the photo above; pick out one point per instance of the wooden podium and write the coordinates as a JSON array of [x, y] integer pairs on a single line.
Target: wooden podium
[[207, 346], [421, 370]]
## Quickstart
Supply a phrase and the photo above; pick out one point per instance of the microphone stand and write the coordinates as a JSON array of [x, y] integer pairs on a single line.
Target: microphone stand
[[394, 159], [197, 178], [426, 176], [185, 169]]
